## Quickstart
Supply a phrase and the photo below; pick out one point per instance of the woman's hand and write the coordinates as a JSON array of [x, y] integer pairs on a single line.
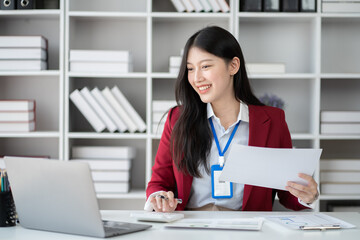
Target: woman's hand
[[164, 202], [308, 193]]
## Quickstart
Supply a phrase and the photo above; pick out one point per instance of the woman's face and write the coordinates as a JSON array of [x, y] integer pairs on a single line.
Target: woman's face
[[210, 76]]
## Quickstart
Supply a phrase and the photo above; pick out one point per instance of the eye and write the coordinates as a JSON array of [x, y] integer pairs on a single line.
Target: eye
[[189, 69], [205, 66]]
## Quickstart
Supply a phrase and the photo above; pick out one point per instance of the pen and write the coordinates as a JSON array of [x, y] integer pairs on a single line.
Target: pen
[[179, 201], [320, 227]]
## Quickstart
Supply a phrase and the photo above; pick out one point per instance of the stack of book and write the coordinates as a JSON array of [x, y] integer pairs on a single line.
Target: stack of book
[[23, 53], [278, 5], [110, 166], [201, 5], [159, 114], [265, 68], [340, 176], [174, 64], [341, 6], [17, 115], [340, 122], [100, 61], [109, 109]]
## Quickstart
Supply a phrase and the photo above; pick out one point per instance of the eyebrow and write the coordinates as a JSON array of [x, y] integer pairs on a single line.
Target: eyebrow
[[204, 60]]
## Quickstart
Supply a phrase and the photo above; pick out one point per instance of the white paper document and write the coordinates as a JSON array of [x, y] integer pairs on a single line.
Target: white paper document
[[269, 167], [253, 224], [309, 220]]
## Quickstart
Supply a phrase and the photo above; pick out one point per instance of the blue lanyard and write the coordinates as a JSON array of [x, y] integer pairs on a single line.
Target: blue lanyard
[[221, 153]]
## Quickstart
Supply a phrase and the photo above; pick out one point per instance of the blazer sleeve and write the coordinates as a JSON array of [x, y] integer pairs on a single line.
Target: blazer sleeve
[[286, 198], [162, 178]]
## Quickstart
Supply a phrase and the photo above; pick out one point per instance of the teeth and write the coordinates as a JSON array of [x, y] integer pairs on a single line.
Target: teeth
[[205, 87]]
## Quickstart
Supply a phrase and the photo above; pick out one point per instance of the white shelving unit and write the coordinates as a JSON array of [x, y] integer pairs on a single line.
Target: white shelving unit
[[320, 51], [46, 87]]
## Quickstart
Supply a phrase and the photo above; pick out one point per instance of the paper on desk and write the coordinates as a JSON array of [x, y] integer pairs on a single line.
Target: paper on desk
[[269, 167], [312, 219]]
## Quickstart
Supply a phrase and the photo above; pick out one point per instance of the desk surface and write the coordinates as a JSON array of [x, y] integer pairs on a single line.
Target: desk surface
[[269, 230]]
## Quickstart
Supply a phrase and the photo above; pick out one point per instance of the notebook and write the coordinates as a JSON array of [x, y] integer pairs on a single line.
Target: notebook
[[59, 196]]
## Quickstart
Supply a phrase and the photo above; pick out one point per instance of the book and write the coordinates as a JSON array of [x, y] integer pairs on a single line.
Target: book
[[265, 68], [110, 165], [340, 128], [113, 187], [110, 125], [159, 117], [179, 6], [99, 56], [271, 5], [175, 61], [206, 5], [251, 5], [119, 109], [109, 110], [340, 165], [162, 105], [214, 5], [23, 53], [340, 188], [290, 5], [141, 126], [224, 6], [23, 42], [341, 7], [22, 65], [17, 126], [101, 67], [197, 5], [106, 176], [105, 152], [188, 5], [307, 5], [17, 116], [340, 116], [17, 105], [340, 176], [87, 111], [174, 70]]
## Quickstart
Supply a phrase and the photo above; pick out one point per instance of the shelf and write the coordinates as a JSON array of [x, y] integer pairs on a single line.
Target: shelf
[[183, 16], [339, 197], [283, 76], [340, 75], [49, 73], [340, 15], [107, 75], [47, 13], [133, 194], [93, 14], [30, 135], [89, 135], [302, 136], [276, 15], [163, 75], [339, 137]]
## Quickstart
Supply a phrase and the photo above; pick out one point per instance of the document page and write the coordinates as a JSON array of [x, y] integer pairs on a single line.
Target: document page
[[269, 167], [315, 220], [254, 224]]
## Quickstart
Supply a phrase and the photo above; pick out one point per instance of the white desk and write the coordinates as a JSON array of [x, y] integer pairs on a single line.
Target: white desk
[[269, 230]]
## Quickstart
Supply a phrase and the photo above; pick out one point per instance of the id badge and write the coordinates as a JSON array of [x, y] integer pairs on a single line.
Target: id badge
[[220, 189]]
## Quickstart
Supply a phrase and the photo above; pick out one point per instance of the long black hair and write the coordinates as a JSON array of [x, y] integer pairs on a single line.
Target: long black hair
[[191, 137]]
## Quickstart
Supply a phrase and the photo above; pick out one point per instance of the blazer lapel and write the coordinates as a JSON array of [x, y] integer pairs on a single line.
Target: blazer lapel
[[259, 126]]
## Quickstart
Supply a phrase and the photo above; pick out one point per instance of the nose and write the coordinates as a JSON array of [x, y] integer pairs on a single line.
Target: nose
[[198, 76]]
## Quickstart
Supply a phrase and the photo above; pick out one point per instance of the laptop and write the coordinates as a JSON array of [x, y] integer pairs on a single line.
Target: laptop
[[59, 196]]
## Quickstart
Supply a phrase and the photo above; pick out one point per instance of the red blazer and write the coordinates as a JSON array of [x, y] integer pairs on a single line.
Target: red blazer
[[267, 128]]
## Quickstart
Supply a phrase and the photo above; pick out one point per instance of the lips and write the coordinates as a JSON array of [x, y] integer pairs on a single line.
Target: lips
[[204, 87]]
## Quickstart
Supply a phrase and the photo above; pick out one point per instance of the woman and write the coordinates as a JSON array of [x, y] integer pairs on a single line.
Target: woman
[[216, 107]]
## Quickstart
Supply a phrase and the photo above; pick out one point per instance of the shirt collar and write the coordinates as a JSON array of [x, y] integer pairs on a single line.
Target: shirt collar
[[243, 113]]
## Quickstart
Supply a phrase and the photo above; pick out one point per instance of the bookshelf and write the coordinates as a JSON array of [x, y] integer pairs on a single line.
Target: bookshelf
[[320, 51]]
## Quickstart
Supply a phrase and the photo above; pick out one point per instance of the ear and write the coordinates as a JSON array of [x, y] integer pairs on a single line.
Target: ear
[[234, 65]]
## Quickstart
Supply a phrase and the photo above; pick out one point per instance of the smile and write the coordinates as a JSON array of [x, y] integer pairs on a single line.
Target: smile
[[202, 88]]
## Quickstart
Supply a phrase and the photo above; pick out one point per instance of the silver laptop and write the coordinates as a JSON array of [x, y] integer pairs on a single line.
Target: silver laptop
[[59, 196]]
